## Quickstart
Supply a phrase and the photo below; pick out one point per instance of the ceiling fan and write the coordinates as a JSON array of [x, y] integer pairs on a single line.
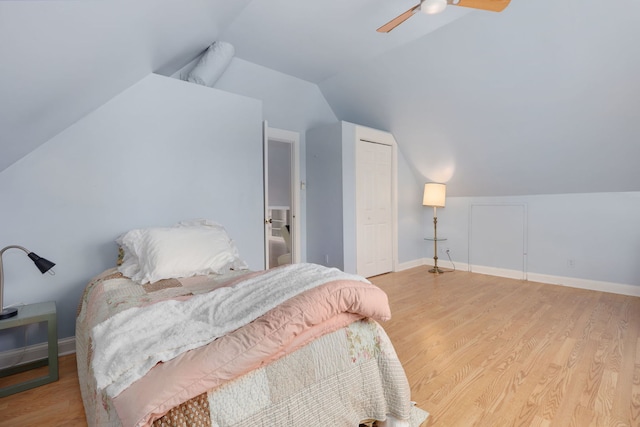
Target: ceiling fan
[[436, 6]]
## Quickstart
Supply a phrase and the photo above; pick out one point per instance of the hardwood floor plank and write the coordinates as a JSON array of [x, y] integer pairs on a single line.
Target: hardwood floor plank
[[634, 408], [489, 351], [54, 404]]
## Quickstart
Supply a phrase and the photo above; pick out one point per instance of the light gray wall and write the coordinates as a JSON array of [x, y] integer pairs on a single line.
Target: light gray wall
[[410, 213], [542, 98], [162, 151], [150, 119], [324, 196], [67, 58], [599, 232], [288, 103], [331, 159]]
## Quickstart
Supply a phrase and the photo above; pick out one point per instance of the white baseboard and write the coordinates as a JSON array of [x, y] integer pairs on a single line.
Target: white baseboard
[[572, 282], [448, 265], [35, 352], [500, 272], [593, 285], [411, 264]]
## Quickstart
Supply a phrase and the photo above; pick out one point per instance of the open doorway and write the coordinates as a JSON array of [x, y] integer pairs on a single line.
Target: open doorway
[[282, 236]]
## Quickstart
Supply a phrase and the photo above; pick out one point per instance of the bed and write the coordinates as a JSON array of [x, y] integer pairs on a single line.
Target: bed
[[218, 345]]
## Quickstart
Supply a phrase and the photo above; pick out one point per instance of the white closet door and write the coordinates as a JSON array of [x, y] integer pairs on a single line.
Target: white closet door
[[373, 208]]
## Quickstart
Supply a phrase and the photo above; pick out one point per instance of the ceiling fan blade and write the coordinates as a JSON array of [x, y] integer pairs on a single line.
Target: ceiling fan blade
[[398, 20], [492, 5]]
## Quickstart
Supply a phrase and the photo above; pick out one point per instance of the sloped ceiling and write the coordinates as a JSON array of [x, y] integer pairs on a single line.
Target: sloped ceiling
[[541, 98], [314, 40], [59, 60]]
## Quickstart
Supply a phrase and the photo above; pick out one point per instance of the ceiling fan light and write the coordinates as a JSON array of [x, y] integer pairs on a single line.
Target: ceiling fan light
[[431, 7]]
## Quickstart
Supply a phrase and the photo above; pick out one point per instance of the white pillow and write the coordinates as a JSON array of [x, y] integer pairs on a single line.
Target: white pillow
[[212, 64], [190, 249], [129, 266], [237, 264]]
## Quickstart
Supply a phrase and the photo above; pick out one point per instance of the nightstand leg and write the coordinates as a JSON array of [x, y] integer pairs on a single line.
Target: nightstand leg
[[52, 327]]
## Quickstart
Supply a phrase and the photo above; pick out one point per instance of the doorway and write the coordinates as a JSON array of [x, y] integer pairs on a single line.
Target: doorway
[[281, 195]]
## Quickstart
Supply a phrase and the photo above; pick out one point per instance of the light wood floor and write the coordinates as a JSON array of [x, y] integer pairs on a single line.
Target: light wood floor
[[478, 351], [486, 351], [55, 404]]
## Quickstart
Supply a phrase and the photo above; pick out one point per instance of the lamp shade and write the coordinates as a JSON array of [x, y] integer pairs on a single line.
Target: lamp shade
[[434, 194], [43, 264]]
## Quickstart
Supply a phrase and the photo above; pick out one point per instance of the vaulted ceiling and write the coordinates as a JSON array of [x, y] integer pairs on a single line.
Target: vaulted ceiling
[[541, 98]]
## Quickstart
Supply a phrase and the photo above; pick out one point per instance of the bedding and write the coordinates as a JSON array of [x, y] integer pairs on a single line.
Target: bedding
[[131, 342], [314, 354], [189, 248]]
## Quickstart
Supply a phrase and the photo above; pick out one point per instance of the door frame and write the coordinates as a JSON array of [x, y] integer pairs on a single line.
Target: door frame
[[292, 138]]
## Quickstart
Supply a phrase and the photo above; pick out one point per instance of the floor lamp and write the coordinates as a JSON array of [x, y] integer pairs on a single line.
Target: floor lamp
[[434, 195]]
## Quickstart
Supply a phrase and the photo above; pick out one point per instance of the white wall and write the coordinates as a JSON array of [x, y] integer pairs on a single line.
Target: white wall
[[331, 175], [293, 104], [162, 151], [542, 98], [288, 103], [324, 188], [588, 240], [67, 58], [410, 214]]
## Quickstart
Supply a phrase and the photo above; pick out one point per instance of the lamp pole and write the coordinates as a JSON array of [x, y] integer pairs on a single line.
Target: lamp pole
[[435, 268]]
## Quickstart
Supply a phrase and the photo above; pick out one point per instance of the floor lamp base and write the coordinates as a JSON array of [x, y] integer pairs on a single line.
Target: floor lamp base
[[8, 312], [436, 270]]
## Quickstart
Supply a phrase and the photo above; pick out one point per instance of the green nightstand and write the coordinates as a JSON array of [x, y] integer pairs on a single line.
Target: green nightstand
[[28, 314]]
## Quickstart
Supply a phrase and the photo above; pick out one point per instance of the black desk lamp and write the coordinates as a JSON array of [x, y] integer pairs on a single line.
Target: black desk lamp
[[43, 265]]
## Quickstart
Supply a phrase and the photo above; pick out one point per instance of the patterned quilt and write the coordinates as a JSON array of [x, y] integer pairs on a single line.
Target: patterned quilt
[[344, 373]]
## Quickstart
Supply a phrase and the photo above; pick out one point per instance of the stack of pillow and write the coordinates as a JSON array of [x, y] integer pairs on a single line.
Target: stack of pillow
[[190, 248]]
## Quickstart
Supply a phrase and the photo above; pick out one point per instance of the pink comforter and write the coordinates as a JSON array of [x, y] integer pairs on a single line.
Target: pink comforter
[[279, 332]]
